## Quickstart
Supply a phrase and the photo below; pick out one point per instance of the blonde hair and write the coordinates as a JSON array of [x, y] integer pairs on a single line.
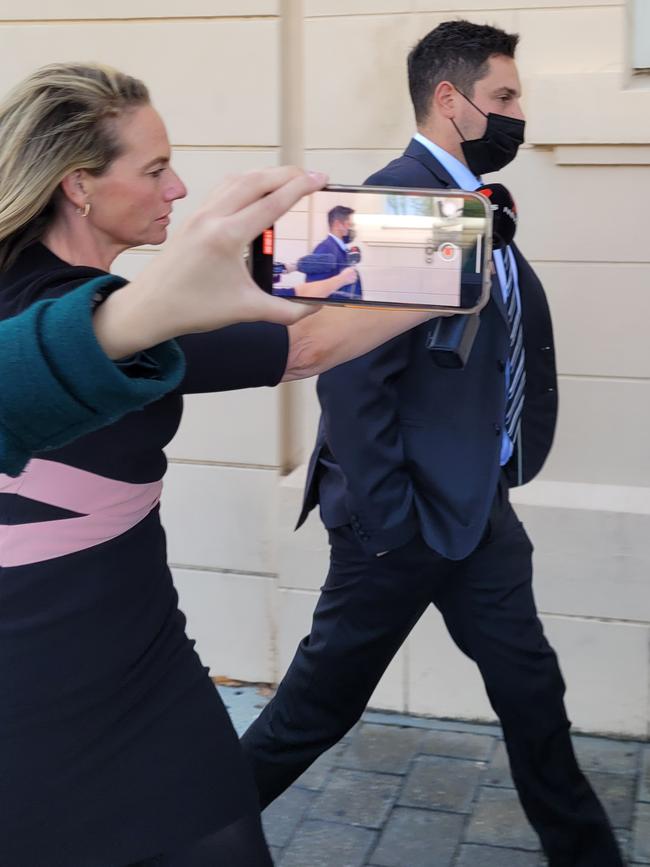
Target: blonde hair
[[59, 119]]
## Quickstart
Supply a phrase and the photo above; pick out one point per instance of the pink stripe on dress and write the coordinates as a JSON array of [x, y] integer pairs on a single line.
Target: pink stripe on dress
[[109, 508]]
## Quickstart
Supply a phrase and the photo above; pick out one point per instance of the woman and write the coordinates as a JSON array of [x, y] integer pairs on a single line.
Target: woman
[[116, 748]]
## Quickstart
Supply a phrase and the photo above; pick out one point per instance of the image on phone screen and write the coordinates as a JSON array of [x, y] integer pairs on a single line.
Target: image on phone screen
[[384, 248]]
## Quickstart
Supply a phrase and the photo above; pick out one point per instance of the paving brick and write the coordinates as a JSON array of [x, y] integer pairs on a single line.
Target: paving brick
[[498, 771], [418, 838], [498, 820], [436, 783], [458, 745], [491, 856], [641, 838], [644, 782], [388, 749], [316, 776], [602, 754], [322, 844], [405, 721], [617, 793], [284, 815], [357, 798]]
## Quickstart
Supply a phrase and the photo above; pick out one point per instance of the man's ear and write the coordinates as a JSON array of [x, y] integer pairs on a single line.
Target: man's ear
[[75, 186], [445, 100]]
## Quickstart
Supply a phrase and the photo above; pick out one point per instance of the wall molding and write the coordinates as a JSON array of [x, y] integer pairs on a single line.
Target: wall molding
[[602, 155]]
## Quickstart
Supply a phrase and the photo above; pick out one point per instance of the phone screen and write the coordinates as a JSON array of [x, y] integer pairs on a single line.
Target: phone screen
[[382, 248]]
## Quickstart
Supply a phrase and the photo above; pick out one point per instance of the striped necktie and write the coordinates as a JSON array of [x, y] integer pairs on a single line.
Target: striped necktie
[[517, 377]]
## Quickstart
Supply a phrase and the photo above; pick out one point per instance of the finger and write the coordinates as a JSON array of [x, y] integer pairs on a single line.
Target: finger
[[250, 187], [223, 190], [238, 191], [259, 215]]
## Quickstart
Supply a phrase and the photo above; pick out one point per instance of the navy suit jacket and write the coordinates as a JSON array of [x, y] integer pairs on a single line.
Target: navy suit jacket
[[329, 245], [405, 446]]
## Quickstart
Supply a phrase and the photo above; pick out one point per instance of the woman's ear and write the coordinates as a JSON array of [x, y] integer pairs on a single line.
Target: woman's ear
[[75, 188]]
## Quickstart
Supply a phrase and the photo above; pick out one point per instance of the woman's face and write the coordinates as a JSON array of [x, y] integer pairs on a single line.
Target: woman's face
[[131, 203]]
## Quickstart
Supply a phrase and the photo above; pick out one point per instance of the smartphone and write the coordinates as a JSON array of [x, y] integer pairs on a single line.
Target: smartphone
[[380, 247]]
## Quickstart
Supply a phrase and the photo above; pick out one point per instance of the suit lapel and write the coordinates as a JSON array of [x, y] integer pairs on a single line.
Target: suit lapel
[[417, 151], [338, 252]]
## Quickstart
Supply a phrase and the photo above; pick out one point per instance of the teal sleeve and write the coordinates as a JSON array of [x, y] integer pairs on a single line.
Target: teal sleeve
[[57, 384]]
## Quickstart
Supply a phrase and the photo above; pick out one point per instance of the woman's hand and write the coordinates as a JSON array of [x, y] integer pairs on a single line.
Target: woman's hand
[[347, 277], [199, 282], [324, 288]]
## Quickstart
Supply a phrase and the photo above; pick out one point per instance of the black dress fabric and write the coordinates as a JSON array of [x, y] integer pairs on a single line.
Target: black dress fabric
[[115, 744]]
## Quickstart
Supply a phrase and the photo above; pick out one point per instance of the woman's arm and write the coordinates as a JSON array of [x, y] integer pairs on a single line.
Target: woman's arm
[[324, 288], [58, 384], [338, 334]]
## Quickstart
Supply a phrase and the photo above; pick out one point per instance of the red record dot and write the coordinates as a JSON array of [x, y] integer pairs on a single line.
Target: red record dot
[[448, 251]]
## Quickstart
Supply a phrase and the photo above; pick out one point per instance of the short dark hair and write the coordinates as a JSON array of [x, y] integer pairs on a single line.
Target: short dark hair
[[455, 51], [339, 212]]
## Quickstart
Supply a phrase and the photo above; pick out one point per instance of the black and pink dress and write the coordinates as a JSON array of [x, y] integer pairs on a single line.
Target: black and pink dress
[[114, 743]]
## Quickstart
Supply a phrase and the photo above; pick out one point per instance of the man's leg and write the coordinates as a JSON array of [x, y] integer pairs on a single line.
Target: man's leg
[[489, 609], [241, 844], [367, 607]]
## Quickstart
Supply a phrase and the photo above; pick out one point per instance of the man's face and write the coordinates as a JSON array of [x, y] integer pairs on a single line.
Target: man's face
[[342, 227], [498, 93]]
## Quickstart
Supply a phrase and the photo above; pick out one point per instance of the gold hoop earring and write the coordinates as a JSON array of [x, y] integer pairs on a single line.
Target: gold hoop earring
[[85, 210]]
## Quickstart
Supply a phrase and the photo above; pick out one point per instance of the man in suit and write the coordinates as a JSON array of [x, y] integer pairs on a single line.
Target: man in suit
[[340, 220], [412, 468]]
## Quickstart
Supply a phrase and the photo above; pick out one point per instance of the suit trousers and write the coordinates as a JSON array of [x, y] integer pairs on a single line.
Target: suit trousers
[[367, 607], [241, 844]]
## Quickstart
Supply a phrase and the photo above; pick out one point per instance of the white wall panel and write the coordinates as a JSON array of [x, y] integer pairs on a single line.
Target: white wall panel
[[584, 40], [229, 616], [602, 433], [220, 517], [578, 213], [82, 9], [598, 313], [605, 666], [190, 68], [237, 427], [590, 563], [316, 8]]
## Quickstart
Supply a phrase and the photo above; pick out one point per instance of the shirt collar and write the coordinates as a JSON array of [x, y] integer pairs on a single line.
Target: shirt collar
[[462, 176], [339, 242]]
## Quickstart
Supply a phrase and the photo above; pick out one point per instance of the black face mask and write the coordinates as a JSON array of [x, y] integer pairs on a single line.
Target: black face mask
[[497, 146], [349, 237]]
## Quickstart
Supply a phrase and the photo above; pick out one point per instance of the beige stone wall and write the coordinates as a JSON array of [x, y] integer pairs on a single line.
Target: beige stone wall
[[249, 83]]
